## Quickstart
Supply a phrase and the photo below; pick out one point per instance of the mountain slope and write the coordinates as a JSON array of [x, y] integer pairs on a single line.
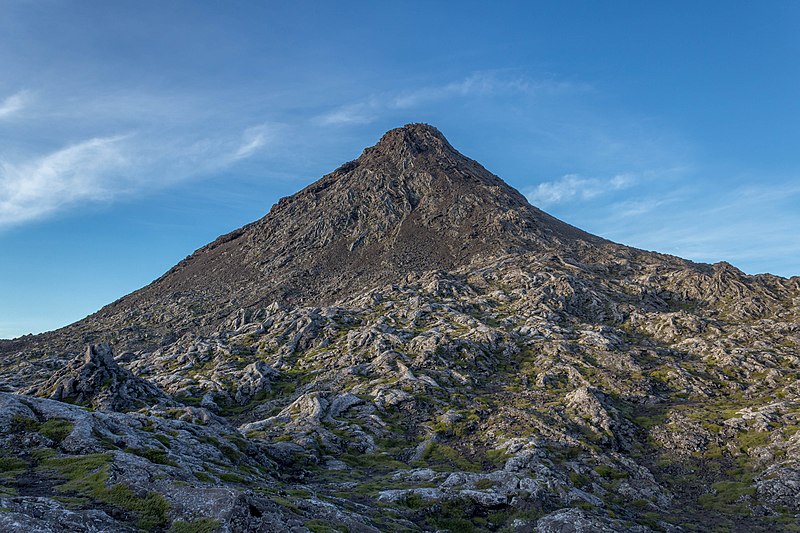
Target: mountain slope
[[411, 203], [408, 344]]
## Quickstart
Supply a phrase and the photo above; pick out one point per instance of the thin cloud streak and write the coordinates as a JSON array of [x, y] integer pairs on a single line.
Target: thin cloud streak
[[13, 104], [701, 231], [168, 139], [639, 207], [573, 187], [253, 140], [352, 114], [485, 84], [63, 178], [105, 169]]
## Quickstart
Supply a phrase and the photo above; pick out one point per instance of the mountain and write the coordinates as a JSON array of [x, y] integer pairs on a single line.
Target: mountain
[[410, 204], [408, 344]]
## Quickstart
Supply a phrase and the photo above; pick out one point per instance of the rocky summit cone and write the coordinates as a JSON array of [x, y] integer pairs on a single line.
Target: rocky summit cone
[[411, 203], [408, 345], [408, 205]]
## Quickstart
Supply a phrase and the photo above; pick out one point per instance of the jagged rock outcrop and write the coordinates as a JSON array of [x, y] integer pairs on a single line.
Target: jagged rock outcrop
[[256, 378], [45, 515], [97, 381], [152, 470], [578, 521]]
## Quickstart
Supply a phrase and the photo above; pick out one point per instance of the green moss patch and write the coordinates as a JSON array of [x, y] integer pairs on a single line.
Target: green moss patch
[[609, 472], [154, 455], [21, 424], [56, 429], [10, 467], [730, 497], [375, 461], [201, 525], [88, 476], [444, 456]]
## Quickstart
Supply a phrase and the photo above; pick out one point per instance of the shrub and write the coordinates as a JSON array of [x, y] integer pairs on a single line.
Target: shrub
[[485, 483], [202, 476], [232, 478], [163, 439]]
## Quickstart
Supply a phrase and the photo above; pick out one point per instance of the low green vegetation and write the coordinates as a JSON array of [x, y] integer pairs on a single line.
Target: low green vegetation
[[373, 461], [154, 455], [752, 439], [88, 476], [231, 454], [579, 480], [323, 526], [232, 478], [20, 424], [200, 525], [56, 429], [467, 422], [163, 439], [729, 497], [484, 484], [205, 478], [609, 472], [11, 467], [455, 516], [504, 518], [446, 457], [497, 458]]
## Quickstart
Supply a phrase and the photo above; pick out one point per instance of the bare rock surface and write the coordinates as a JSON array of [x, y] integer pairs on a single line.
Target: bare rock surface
[[96, 380]]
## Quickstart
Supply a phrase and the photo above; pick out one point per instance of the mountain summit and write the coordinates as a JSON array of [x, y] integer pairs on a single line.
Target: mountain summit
[[408, 345], [408, 205], [411, 203]]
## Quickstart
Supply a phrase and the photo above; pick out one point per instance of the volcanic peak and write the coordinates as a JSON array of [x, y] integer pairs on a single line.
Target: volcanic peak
[[416, 137]]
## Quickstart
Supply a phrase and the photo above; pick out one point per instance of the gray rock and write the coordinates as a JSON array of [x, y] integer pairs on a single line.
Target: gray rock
[[579, 521], [256, 378], [96, 380], [45, 515]]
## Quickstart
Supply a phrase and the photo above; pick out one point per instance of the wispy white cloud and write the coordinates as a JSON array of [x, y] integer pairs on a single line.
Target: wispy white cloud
[[697, 221], [105, 169], [163, 146], [573, 187], [638, 207], [80, 172], [253, 140], [13, 104], [483, 84], [358, 113]]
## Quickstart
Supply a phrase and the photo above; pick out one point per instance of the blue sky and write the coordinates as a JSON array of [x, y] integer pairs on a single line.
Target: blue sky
[[132, 133]]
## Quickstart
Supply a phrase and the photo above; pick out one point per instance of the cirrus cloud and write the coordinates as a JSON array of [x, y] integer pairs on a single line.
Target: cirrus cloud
[[573, 187], [11, 105], [479, 84], [105, 169], [76, 173]]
